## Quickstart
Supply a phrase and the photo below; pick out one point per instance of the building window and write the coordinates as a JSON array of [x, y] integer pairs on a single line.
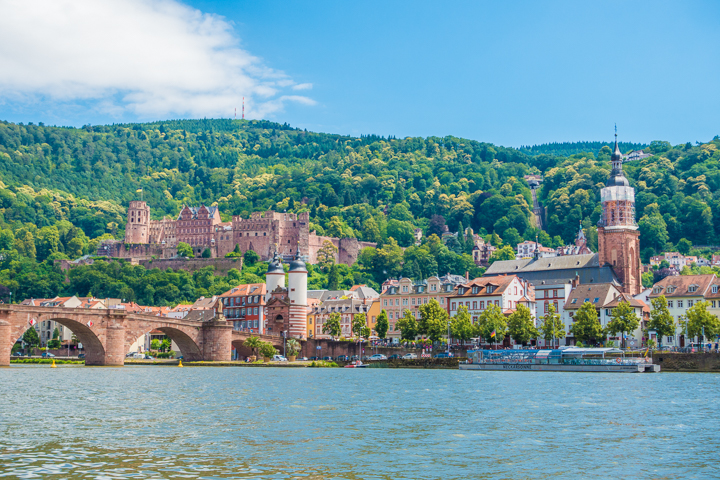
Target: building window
[[670, 304], [385, 303], [680, 304], [482, 305], [691, 303], [453, 306], [474, 305]]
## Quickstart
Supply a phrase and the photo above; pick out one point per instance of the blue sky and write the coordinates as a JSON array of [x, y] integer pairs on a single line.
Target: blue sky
[[511, 73]]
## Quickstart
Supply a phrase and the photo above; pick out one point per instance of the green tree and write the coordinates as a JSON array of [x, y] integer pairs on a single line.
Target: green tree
[[492, 325], [403, 232], [253, 343], [371, 231], [267, 350], [684, 245], [250, 258], [359, 322], [165, 345], [505, 253], [552, 326], [461, 326], [185, 250], [660, 319], [407, 325], [433, 320], [206, 253], [326, 255], [55, 342], [31, 337], [700, 322], [586, 327], [292, 347], [648, 279], [332, 325], [155, 344], [382, 325], [520, 325], [334, 278], [623, 320]]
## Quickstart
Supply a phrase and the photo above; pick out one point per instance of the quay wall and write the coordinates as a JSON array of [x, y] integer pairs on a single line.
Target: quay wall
[[687, 362]]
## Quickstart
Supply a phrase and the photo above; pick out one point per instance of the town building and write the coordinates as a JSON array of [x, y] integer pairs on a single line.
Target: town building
[[682, 293], [244, 306], [598, 294], [203, 229], [404, 294], [506, 292]]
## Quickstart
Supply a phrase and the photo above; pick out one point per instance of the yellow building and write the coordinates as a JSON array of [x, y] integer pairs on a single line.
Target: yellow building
[[372, 314]]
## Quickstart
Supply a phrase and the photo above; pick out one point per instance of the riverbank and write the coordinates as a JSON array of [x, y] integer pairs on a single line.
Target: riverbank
[[46, 361], [687, 362]]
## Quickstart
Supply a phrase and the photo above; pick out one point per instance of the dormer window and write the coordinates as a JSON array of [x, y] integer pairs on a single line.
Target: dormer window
[[692, 288], [657, 290], [670, 289], [490, 289], [714, 289], [461, 290], [475, 289]]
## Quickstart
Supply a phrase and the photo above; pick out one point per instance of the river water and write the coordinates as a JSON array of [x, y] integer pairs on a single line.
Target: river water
[[293, 423]]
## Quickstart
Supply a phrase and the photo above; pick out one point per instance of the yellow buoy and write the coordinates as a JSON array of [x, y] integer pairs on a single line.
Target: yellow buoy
[[180, 364], [53, 365]]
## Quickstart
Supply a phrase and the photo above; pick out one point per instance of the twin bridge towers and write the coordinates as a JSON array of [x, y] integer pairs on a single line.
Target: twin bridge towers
[[107, 335]]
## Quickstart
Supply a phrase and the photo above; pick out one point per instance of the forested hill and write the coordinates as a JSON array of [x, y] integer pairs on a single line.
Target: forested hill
[[80, 180], [565, 149]]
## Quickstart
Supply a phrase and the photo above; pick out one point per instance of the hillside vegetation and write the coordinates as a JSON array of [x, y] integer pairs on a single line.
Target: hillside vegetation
[[64, 189]]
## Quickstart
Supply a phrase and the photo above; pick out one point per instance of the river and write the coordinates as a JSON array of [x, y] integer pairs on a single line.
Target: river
[[292, 423]]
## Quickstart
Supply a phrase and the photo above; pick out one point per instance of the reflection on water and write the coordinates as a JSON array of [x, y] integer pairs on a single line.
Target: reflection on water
[[275, 423]]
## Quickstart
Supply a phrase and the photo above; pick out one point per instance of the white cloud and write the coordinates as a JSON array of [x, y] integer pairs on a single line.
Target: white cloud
[[152, 58]]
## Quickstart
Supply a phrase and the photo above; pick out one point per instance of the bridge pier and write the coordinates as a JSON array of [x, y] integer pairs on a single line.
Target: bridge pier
[[114, 345], [5, 344], [217, 341]]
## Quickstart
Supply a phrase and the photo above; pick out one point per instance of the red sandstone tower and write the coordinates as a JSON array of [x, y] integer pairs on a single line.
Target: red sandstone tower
[[618, 235], [138, 225]]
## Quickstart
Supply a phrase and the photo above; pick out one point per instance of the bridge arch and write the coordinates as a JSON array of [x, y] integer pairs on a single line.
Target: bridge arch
[[184, 338]]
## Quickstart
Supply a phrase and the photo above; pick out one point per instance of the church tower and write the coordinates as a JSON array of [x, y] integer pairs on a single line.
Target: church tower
[[618, 235]]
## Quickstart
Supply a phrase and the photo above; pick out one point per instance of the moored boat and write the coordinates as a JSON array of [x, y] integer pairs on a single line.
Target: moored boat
[[567, 359]]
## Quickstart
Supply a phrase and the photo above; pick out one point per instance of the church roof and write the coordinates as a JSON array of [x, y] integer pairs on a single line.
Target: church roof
[[556, 269]]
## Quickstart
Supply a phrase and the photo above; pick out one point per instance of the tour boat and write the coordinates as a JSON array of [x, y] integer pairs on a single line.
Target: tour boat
[[566, 359]]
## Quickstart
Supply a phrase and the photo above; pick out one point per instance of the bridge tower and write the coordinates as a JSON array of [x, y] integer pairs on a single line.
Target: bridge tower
[[297, 293]]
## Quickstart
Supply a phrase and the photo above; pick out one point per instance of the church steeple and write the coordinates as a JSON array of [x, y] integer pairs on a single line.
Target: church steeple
[[618, 235]]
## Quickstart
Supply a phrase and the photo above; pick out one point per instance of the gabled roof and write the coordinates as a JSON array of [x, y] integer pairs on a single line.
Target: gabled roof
[[603, 292], [627, 298], [678, 286], [245, 289], [560, 269], [499, 283]]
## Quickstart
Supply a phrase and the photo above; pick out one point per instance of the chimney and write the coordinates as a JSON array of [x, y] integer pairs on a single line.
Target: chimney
[[467, 275], [576, 280]]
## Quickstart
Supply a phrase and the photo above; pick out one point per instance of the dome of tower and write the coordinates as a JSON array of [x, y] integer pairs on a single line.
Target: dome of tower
[[617, 180], [276, 266], [297, 264]]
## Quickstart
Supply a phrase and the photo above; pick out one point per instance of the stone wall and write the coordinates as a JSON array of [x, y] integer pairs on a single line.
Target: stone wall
[[222, 265], [687, 362]]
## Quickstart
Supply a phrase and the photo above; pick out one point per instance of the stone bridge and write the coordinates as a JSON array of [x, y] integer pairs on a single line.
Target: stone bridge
[[108, 334]]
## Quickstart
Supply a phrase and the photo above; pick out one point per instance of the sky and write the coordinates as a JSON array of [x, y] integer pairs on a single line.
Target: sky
[[510, 73]]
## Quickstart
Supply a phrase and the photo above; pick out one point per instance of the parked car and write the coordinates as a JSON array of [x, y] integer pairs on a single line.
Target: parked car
[[366, 358], [312, 359], [47, 355], [378, 356], [130, 354], [442, 355], [394, 356], [148, 357], [354, 358], [302, 359], [81, 355], [328, 358], [342, 358], [279, 358], [17, 354], [409, 356]]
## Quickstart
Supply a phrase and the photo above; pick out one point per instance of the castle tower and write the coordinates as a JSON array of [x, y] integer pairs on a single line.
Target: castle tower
[[297, 293], [137, 229], [275, 276], [618, 235]]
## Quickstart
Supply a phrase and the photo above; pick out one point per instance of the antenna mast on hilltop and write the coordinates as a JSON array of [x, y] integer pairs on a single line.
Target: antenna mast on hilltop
[[243, 110], [235, 113]]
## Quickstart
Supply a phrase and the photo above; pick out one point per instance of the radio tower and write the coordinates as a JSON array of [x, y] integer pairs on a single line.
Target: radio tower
[[235, 113], [243, 110]]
